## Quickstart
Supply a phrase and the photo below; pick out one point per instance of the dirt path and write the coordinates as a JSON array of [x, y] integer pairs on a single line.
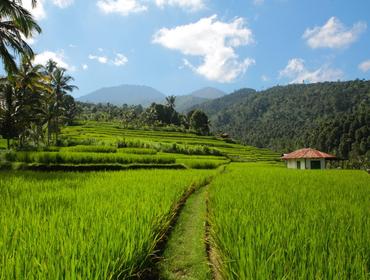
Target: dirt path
[[185, 255]]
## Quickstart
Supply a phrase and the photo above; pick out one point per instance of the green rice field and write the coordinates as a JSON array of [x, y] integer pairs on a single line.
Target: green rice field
[[274, 223], [253, 218], [85, 226]]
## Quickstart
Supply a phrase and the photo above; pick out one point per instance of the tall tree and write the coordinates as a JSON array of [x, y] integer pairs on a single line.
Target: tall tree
[[31, 88], [8, 127], [61, 86], [170, 101], [199, 122], [16, 24]]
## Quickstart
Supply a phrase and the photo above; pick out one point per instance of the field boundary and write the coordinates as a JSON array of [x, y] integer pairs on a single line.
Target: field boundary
[[152, 272], [87, 167], [213, 257]]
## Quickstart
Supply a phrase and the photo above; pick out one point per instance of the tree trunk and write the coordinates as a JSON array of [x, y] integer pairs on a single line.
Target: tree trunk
[[56, 129], [48, 133]]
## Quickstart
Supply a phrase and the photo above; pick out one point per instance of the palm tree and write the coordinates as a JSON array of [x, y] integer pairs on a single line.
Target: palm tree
[[50, 103], [170, 100], [7, 121], [60, 83], [16, 23], [31, 88]]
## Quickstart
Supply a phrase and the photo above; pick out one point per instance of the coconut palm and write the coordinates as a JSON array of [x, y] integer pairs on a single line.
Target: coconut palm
[[7, 121], [16, 23], [60, 83], [31, 89], [170, 100]]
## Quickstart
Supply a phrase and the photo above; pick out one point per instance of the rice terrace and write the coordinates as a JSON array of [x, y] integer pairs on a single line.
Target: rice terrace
[[125, 182]]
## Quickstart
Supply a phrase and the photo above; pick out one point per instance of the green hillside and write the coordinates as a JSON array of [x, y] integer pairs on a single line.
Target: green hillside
[[331, 116]]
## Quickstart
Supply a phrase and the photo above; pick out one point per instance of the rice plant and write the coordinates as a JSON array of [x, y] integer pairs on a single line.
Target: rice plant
[[85, 158], [85, 226], [273, 223]]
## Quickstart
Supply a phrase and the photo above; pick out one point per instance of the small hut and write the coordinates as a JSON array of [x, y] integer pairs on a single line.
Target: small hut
[[307, 158]]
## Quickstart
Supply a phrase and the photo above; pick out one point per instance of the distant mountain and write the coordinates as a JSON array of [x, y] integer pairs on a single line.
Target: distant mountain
[[185, 102], [124, 94], [208, 93]]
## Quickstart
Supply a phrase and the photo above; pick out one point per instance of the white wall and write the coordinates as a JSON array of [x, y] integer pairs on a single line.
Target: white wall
[[305, 164]]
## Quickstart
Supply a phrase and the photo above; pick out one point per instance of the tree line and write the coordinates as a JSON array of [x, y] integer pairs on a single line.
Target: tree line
[[155, 116], [34, 100]]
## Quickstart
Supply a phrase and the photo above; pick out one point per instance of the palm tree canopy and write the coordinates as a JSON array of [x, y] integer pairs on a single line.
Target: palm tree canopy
[[16, 23], [61, 81], [171, 101]]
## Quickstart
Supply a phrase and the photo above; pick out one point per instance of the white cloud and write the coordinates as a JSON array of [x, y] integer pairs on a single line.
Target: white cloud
[[215, 42], [298, 73], [38, 12], [334, 34], [192, 5], [122, 7], [63, 3], [85, 66], [100, 59], [120, 60], [58, 57], [365, 66]]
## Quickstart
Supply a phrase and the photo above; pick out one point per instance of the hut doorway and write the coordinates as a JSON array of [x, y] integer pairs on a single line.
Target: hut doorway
[[315, 164]]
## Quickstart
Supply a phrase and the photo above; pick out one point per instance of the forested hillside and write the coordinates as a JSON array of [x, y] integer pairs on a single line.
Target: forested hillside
[[331, 116]]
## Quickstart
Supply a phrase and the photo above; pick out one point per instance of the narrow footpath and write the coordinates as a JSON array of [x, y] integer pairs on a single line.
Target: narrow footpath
[[185, 255]]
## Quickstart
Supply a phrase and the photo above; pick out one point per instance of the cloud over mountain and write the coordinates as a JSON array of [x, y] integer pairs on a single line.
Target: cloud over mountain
[[298, 73]]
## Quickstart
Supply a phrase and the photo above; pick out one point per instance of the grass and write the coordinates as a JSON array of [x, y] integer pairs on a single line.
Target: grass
[[185, 255], [198, 163], [91, 149], [138, 151], [163, 141], [85, 158], [102, 225], [274, 223]]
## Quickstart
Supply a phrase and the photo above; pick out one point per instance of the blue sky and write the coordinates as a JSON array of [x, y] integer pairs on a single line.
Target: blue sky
[[178, 46]]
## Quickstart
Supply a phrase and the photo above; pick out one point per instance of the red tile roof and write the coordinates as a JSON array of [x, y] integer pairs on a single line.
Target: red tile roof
[[307, 153]]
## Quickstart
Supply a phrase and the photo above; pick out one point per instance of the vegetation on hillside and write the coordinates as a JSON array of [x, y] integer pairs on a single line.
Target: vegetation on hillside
[[331, 116], [163, 116]]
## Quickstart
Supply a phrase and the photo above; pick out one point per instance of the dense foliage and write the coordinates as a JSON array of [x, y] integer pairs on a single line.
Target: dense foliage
[[331, 116], [154, 116], [34, 103]]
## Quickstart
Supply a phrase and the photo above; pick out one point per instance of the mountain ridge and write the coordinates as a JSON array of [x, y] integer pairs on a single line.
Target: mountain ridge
[[145, 95], [124, 94]]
